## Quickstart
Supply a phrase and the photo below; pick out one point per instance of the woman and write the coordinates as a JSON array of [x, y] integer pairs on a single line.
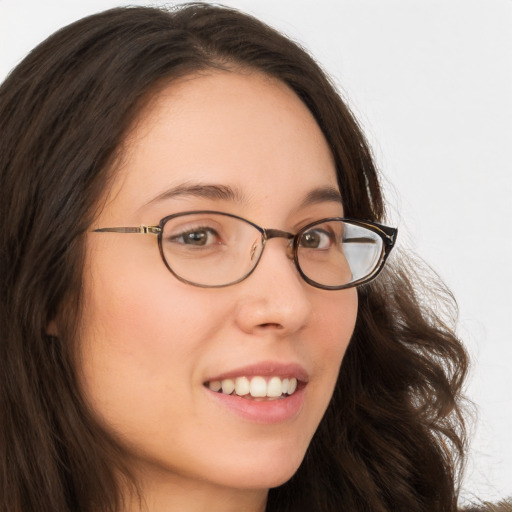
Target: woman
[[205, 374]]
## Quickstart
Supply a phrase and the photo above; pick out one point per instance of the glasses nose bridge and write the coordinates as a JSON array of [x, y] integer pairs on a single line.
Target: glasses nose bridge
[[268, 234], [277, 233]]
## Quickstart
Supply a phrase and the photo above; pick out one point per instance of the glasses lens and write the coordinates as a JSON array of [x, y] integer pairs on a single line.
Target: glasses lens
[[210, 249], [337, 253]]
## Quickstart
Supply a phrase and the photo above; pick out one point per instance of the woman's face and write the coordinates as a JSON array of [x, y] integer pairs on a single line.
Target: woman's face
[[151, 344]]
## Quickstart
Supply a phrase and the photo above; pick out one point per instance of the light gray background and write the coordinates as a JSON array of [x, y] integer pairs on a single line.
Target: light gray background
[[431, 83]]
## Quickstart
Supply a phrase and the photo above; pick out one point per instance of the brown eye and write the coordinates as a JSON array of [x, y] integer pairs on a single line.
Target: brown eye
[[199, 237], [316, 239]]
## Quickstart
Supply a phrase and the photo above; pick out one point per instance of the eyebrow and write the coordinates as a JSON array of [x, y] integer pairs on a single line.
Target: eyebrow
[[216, 192], [322, 195], [234, 194]]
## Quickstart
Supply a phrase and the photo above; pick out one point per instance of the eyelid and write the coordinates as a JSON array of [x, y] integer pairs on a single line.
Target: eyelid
[[314, 220], [316, 215], [194, 221]]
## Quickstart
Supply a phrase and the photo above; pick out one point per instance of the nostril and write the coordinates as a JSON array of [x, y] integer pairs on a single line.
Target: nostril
[[271, 325]]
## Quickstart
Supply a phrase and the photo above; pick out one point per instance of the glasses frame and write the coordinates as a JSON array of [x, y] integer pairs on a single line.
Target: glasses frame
[[386, 233]]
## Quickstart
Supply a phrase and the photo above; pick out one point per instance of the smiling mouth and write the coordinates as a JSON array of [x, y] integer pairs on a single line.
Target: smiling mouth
[[256, 388]]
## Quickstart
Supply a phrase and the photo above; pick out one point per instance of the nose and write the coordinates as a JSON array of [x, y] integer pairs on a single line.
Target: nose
[[274, 297]]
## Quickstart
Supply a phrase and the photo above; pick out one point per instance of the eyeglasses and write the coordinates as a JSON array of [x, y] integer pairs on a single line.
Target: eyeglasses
[[213, 249]]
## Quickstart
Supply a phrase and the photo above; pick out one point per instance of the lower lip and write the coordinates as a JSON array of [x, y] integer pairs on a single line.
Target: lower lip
[[271, 411]]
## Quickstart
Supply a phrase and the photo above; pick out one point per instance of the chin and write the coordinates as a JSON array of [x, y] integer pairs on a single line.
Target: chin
[[274, 473]]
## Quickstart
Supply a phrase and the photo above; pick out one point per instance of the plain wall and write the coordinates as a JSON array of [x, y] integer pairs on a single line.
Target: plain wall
[[431, 83]]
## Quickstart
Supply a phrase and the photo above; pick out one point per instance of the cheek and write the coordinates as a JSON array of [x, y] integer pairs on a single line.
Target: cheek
[[334, 325], [336, 321], [141, 333], [134, 302]]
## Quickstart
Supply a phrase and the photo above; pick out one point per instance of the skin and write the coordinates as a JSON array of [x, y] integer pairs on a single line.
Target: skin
[[149, 341]]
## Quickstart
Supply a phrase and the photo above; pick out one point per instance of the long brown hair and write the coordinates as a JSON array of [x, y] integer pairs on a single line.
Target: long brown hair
[[392, 438]]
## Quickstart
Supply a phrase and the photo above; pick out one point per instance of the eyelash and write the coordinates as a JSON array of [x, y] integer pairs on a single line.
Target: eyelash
[[209, 231]]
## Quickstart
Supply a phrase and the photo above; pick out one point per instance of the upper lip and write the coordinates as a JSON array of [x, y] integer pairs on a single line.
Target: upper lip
[[265, 369]]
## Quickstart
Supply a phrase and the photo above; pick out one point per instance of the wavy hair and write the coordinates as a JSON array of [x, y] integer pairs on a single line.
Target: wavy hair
[[392, 438]]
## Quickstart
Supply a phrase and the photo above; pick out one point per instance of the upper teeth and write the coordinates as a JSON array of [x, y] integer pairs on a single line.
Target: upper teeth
[[257, 387]]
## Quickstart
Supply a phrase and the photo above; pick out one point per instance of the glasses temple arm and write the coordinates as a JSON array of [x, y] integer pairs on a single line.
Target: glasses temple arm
[[141, 229]]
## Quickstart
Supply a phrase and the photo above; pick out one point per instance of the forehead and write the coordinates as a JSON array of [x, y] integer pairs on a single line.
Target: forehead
[[244, 130]]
